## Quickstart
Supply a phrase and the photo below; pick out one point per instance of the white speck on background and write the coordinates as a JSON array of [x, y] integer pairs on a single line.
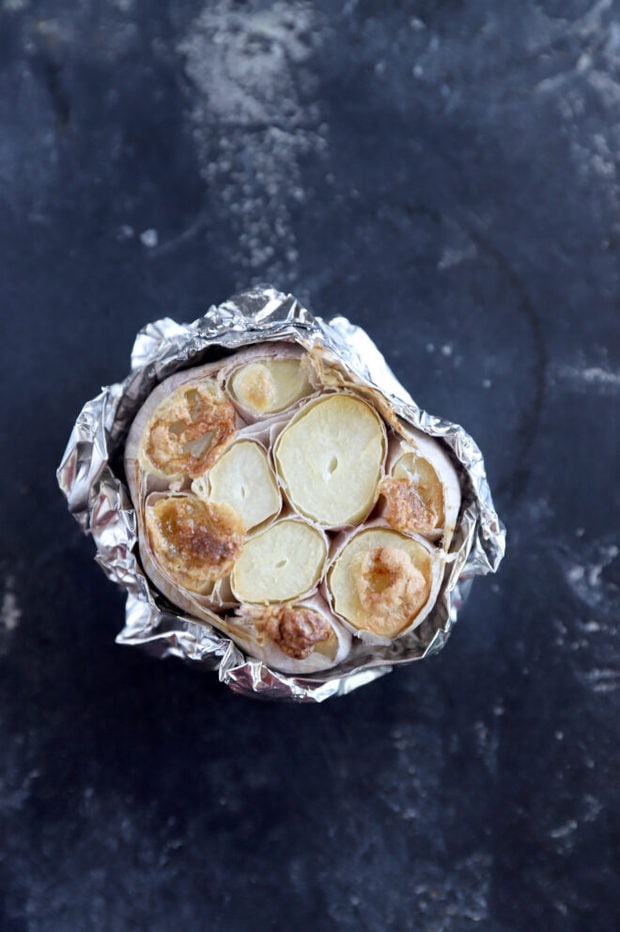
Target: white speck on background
[[593, 808], [594, 640], [149, 238], [457, 898], [563, 830], [254, 119], [588, 377], [125, 232], [564, 836], [452, 257], [585, 579], [594, 375], [10, 613], [584, 576], [446, 349], [487, 744], [602, 680]]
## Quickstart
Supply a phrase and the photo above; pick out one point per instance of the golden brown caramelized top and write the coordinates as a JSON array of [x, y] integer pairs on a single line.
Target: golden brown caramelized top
[[390, 588], [406, 509], [296, 631], [196, 542], [187, 430], [257, 386], [414, 496]]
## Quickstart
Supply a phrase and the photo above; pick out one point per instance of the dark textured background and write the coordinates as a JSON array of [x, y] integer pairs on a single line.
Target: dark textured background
[[446, 174]]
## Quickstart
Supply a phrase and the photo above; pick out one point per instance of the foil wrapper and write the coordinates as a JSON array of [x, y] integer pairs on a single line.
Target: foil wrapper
[[91, 477]]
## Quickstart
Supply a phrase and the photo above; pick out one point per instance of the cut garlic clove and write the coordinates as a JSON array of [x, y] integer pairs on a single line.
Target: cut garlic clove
[[383, 583], [182, 428], [194, 543], [422, 491], [283, 562], [293, 637], [270, 384], [330, 459], [243, 479]]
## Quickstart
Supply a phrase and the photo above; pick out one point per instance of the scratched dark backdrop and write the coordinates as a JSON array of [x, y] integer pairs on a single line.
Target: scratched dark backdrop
[[446, 174]]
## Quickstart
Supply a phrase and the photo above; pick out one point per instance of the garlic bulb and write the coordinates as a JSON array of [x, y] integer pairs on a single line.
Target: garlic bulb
[[286, 505]]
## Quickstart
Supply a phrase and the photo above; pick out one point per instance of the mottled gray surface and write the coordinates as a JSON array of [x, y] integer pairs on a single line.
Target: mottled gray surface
[[446, 175]]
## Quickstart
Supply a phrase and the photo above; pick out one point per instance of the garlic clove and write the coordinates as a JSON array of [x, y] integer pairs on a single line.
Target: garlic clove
[[283, 562], [243, 479], [194, 543], [383, 583], [293, 637], [421, 492], [330, 459], [270, 384]]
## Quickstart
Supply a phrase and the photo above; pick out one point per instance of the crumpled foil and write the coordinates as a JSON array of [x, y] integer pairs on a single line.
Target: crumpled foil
[[91, 477]]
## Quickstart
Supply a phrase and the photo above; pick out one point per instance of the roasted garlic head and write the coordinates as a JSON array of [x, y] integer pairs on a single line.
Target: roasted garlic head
[[279, 499]]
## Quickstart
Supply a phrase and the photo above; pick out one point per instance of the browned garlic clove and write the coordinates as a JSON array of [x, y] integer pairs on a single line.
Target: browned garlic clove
[[421, 491], [182, 428], [293, 637], [330, 459], [195, 543], [383, 583]]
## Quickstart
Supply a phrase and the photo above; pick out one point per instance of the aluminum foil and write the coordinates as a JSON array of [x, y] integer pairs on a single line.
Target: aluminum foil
[[91, 477]]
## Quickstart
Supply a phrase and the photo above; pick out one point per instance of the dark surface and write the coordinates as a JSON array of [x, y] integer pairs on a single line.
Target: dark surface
[[446, 175]]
